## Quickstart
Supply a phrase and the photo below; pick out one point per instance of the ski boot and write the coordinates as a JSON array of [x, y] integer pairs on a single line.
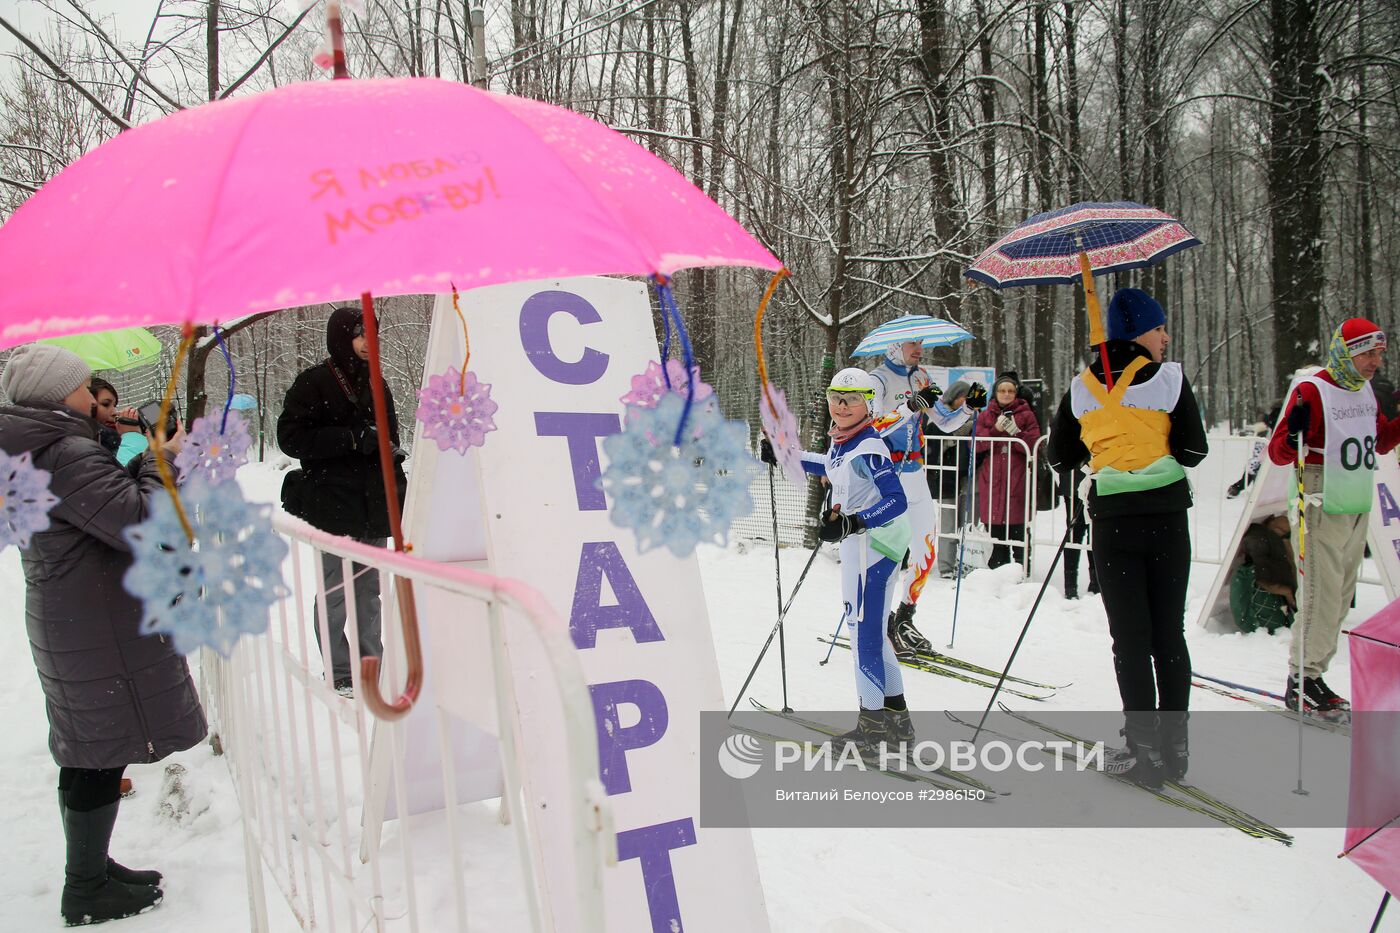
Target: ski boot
[[1172, 734], [870, 733], [899, 725], [1141, 762], [1318, 699], [908, 641]]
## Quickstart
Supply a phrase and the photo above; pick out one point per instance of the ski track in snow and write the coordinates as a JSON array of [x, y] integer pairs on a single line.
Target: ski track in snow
[[822, 880]]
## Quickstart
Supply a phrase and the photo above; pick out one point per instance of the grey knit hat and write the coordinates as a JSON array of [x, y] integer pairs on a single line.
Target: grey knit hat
[[42, 372], [957, 389]]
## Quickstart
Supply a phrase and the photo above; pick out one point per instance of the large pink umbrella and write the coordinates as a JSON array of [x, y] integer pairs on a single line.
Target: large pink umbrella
[[321, 191], [1373, 815]]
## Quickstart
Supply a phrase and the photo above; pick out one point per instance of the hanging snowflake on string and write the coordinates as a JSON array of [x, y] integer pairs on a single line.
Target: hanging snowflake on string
[[212, 454], [212, 593], [649, 387], [676, 496], [455, 419], [25, 500], [781, 427]]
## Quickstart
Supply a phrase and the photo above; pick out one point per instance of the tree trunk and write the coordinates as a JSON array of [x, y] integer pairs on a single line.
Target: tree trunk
[[1296, 166]]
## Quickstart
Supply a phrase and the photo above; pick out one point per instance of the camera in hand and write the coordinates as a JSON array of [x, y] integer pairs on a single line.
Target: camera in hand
[[150, 413]]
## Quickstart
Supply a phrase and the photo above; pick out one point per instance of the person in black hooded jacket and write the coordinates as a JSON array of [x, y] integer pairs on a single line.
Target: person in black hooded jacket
[[1138, 439], [327, 423]]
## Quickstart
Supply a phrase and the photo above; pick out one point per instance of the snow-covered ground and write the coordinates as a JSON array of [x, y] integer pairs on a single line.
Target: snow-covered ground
[[828, 881]]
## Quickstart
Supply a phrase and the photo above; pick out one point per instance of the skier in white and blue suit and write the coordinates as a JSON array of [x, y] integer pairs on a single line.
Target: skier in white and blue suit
[[867, 517]]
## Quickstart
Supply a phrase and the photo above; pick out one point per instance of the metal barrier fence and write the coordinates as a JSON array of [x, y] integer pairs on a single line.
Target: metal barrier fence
[[1213, 516], [307, 763]]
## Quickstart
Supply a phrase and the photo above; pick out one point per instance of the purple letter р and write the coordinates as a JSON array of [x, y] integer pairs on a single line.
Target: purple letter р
[[535, 315], [583, 429], [614, 741], [653, 845], [597, 560]]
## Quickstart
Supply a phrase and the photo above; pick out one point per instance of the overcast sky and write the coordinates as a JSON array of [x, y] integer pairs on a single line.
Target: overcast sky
[[129, 20]]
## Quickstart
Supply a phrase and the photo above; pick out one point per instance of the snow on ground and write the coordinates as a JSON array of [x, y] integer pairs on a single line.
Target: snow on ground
[[827, 881]]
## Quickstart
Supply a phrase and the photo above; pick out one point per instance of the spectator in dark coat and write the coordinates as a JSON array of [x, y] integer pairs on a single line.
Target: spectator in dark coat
[[1003, 468], [113, 696], [327, 423]]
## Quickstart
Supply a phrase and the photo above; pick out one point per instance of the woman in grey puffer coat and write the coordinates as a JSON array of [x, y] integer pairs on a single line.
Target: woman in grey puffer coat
[[114, 697]]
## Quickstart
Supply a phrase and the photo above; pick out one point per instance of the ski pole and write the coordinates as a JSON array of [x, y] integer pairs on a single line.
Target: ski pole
[[776, 626], [778, 575], [962, 538], [1227, 683], [831, 643], [1022, 637], [1303, 628]]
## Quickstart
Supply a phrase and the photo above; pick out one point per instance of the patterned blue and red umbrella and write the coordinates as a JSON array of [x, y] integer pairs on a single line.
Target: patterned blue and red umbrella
[[1077, 243], [1115, 236]]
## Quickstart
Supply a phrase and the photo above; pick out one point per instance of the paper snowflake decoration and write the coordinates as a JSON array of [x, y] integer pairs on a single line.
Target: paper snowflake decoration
[[25, 500], [649, 387], [678, 496], [781, 428], [221, 588], [456, 420], [214, 455]]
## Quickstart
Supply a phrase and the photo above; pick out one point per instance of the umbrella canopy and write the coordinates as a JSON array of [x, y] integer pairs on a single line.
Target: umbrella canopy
[[120, 350], [1116, 236], [1373, 814], [321, 191], [931, 331], [241, 402]]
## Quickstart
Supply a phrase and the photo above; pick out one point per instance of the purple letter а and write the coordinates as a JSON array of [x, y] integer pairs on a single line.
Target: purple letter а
[[597, 560]]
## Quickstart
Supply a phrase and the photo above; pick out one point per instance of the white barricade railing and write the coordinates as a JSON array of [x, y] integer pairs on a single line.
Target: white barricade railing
[[977, 504], [300, 757]]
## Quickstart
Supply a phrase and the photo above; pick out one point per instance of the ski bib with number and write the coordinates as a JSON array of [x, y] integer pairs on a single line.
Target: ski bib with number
[[1349, 454]]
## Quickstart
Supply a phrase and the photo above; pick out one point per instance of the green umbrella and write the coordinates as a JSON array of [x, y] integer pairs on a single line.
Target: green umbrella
[[123, 349]]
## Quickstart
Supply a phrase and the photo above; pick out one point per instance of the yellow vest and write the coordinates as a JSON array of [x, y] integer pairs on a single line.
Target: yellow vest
[[1119, 437]]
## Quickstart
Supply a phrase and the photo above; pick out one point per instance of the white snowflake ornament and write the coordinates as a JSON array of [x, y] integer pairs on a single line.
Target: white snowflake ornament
[[25, 499], [781, 427], [212, 454]]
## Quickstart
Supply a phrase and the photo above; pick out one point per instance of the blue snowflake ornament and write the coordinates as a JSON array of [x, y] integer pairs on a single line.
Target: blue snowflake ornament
[[25, 500], [649, 387], [223, 587], [455, 419], [215, 455], [680, 496]]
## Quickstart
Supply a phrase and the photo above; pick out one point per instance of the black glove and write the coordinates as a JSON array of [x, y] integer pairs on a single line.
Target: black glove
[[924, 398], [367, 440], [765, 453], [977, 397], [1299, 417], [836, 526]]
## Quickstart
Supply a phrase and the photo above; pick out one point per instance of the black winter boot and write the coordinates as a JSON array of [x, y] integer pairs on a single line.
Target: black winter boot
[[115, 870], [1172, 733], [89, 895]]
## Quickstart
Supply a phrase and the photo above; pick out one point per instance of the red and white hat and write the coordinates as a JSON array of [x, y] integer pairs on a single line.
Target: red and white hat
[[1361, 335]]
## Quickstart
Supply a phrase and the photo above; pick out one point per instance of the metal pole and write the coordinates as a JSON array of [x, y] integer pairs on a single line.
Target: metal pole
[[479, 77]]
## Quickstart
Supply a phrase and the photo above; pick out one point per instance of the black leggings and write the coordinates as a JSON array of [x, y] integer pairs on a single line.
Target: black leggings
[[1143, 564], [88, 789]]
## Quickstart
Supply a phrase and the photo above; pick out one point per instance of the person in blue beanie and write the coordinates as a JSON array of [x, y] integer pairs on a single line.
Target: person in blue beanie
[[1138, 439]]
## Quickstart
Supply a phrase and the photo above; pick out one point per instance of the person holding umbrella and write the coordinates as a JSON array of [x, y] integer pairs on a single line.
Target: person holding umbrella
[[903, 392], [1343, 431], [1137, 438]]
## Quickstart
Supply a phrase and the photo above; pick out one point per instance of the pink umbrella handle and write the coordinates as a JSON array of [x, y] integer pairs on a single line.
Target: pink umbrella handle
[[408, 611]]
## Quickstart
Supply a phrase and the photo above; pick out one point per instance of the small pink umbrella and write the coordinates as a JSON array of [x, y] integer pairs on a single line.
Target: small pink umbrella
[[1373, 814], [318, 192]]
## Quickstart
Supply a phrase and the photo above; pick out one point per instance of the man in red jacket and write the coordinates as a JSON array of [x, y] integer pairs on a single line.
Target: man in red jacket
[[1342, 432]]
